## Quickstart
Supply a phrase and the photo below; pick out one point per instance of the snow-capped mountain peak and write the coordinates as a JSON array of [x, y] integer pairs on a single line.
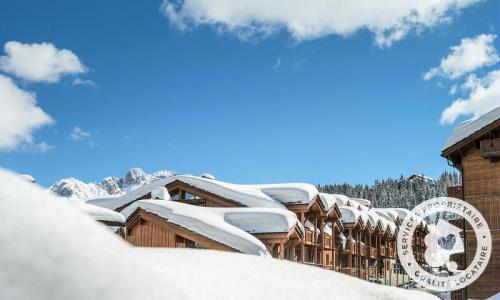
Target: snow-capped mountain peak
[[109, 186]]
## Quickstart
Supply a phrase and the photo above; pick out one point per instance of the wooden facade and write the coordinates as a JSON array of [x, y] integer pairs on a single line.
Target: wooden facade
[[480, 188], [368, 254], [148, 230]]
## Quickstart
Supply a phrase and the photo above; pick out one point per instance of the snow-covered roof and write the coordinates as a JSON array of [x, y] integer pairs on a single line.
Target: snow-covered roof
[[389, 212], [101, 214], [402, 212], [375, 220], [470, 127], [228, 226], [82, 260], [329, 200], [342, 200], [364, 202], [387, 219], [351, 215], [265, 195]]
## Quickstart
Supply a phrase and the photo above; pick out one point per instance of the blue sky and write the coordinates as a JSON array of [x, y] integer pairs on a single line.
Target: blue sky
[[334, 109]]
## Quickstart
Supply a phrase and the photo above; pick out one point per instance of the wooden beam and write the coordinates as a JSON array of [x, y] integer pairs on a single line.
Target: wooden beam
[[315, 242], [281, 250]]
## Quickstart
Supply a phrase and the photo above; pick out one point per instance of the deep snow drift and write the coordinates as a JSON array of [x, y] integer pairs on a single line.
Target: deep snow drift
[[51, 250]]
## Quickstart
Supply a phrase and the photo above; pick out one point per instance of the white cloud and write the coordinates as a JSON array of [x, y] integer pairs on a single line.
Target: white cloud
[[19, 116], [390, 21], [471, 54], [77, 134], [484, 96], [36, 147], [278, 63], [39, 62], [453, 89], [84, 82]]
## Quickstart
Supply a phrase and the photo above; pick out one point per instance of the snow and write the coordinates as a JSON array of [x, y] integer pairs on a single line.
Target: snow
[[27, 178], [468, 128], [99, 213], [160, 193], [386, 220], [342, 200], [228, 226], [70, 256], [75, 189], [375, 220], [349, 214], [388, 212], [364, 202], [109, 187], [329, 200], [265, 195], [207, 176]]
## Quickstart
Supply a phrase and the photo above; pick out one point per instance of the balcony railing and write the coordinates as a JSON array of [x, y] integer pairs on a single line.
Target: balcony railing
[[373, 252], [362, 250], [350, 247], [309, 236], [372, 271], [327, 243], [382, 250]]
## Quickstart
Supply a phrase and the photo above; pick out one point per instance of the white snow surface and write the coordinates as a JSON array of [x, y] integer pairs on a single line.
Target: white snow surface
[[468, 128], [364, 202], [99, 213], [264, 195], [28, 178], [351, 215], [389, 213], [108, 187], [342, 200], [329, 199], [228, 226], [94, 263], [160, 193]]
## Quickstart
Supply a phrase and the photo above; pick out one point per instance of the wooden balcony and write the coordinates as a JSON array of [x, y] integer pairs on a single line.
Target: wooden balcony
[[372, 272], [381, 250], [373, 252], [350, 248], [392, 252], [309, 236], [363, 250], [327, 242]]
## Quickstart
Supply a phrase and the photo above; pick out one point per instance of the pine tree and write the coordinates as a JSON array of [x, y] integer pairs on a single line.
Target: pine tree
[[396, 193]]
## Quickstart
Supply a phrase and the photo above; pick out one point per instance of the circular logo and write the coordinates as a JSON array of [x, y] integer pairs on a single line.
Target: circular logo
[[442, 239]]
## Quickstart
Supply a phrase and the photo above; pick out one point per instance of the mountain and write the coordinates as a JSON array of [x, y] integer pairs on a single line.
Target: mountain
[[109, 186]]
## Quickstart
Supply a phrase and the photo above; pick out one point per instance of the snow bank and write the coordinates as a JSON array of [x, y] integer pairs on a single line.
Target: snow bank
[[265, 195], [50, 250]]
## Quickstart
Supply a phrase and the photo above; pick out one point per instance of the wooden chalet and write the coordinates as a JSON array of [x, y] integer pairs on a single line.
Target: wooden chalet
[[474, 149], [326, 236]]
